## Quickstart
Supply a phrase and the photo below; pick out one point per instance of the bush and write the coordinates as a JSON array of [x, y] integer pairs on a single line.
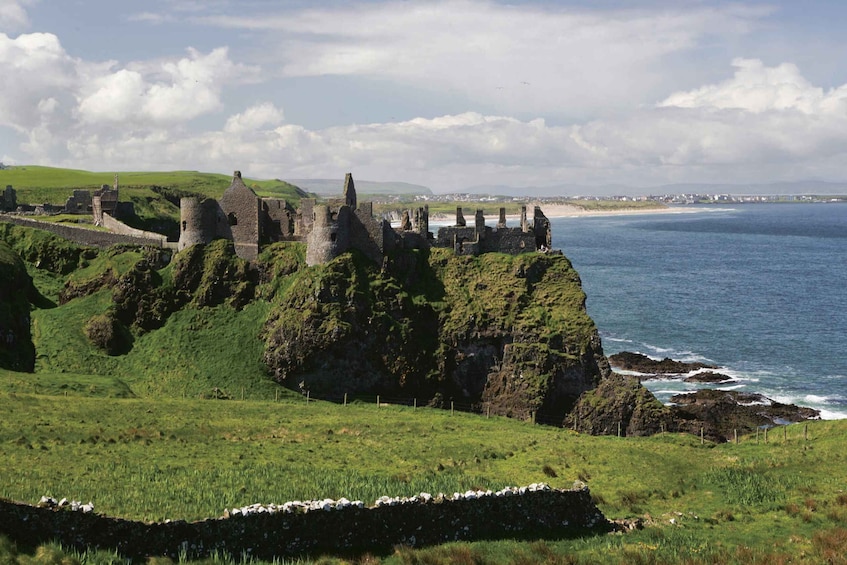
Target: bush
[[106, 332]]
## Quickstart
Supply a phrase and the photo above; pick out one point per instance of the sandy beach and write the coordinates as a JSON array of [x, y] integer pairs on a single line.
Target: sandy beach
[[566, 211]]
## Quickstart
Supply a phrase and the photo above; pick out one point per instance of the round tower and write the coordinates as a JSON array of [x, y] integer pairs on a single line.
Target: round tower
[[192, 227], [329, 237]]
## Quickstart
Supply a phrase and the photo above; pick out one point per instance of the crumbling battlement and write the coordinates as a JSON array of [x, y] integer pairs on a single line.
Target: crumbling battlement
[[330, 230], [479, 238]]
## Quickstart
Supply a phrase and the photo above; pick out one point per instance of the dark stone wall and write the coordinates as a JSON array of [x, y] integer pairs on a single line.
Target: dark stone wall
[[510, 240], [241, 207], [277, 220], [81, 235], [463, 240], [367, 233], [352, 529]]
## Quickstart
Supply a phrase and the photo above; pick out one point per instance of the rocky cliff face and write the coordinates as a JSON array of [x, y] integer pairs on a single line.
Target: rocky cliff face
[[16, 292], [509, 333]]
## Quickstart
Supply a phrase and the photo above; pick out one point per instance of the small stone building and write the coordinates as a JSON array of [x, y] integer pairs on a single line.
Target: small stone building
[[240, 216], [9, 199]]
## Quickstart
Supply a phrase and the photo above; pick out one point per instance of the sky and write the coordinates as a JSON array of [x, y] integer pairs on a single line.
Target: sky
[[450, 94]]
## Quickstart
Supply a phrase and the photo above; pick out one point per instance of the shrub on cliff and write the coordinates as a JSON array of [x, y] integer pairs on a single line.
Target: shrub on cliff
[[106, 332]]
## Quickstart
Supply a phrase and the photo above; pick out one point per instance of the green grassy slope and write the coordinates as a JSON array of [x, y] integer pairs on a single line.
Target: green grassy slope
[[148, 459], [155, 195]]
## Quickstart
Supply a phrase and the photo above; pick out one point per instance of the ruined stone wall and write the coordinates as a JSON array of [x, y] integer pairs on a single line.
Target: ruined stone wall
[[367, 234], [305, 217], [267, 536], [277, 220], [461, 239], [509, 240], [117, 226], [9, 200], [480, 238], [108, 199], [242, 209], [97, 211], [81, 235], [79, 202]]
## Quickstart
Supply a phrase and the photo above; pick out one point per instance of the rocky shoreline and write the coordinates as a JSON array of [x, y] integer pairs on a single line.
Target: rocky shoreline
[[717, 414]]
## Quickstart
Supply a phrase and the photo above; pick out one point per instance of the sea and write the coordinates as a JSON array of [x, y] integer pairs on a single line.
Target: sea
[[759, 290]]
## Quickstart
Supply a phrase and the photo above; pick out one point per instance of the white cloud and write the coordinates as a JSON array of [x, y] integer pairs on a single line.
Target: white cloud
[[13, 15], [526, 59], [757, 88], [163, 91], [608, 69], [254, 118]]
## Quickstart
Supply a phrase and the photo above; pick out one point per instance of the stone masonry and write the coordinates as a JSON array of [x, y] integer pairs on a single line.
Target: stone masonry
[[330, 230]]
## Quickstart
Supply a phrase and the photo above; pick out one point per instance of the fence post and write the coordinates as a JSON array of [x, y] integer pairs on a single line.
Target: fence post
[[488, 411], [532, 414], [451, 407], [345, 399], [702, 438], [377, 401], [757, 435], [415, 405], [308, 394], [766, 435], [805, 432], [735, 434], [619, 428], [785, 434]]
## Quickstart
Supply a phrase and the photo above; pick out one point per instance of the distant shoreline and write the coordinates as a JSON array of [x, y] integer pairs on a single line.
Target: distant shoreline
[[570, 211], [555, 211]]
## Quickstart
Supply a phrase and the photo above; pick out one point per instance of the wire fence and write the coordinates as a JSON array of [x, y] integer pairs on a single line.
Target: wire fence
[[759, 434], [765, 434]]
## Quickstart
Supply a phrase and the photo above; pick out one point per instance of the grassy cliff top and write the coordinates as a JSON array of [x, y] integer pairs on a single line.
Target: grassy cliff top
[[37, 185]]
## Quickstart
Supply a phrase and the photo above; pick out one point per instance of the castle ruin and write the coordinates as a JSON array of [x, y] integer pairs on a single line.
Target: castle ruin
[[332, 229], [9, 199]]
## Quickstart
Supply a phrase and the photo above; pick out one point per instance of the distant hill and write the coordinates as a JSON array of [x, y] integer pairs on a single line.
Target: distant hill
[[776, 188], [334, 187]]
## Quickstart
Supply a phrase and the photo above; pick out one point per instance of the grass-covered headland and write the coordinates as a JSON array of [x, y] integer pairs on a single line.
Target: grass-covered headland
[[151, 397]]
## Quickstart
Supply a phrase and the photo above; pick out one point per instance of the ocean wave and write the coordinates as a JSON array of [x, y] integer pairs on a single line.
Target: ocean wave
[[728, 388]]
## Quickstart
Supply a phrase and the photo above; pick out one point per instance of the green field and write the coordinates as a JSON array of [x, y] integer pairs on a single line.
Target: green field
[[189, 459], [154, 195]]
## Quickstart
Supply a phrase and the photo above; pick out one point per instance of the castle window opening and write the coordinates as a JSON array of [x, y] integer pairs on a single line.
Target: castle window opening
[[233, 220], [332, 236], [184, 225]]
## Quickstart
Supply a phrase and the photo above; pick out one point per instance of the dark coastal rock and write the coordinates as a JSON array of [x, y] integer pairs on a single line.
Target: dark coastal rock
[[708, 377], [620, 400], [629, 361], [720, 413]]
